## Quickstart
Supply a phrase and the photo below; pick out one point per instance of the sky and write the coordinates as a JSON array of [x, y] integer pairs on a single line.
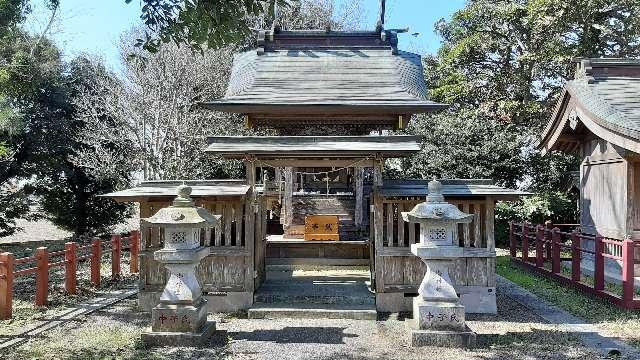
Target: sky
[[94, 26]]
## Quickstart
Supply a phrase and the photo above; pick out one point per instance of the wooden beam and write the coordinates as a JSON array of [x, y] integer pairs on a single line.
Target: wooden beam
[[318, 163]]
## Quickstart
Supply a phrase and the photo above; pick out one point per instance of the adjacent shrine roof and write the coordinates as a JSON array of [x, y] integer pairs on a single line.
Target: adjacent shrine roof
[[451, 188], [167, 189], [309, 72], [604, 99], [313, 146]]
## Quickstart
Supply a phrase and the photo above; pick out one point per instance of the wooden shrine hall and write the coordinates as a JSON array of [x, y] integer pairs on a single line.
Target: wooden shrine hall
[[314, 192]]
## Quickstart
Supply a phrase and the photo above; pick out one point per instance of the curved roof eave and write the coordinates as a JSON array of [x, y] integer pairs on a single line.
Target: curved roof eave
[[619, 136], [324, 108]]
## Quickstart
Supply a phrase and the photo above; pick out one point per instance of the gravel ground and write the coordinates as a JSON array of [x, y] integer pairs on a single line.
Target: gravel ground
[[114, 333]]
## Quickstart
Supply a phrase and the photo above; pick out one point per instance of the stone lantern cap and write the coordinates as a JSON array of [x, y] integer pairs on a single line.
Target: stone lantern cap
[[435, 210], [183, 213]]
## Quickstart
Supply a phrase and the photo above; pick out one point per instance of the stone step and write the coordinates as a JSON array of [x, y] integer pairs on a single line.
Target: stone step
[[287, 299], [310, 311]]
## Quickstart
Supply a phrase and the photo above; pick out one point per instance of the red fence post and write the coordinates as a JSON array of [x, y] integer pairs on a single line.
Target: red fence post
[[70, 267], [627, 272], [7, 265], [555, 244], [575, 256], [525, 242], [96, 257], [42, 276], [547, 238], [539, 246], [512, 240], [134, 248], [598, 273], [116, 250]]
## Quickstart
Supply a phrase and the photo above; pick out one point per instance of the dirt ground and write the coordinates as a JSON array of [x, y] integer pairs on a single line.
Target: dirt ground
[[114, 333]]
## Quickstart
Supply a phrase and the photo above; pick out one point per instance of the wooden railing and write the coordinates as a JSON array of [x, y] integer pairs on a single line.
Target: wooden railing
[[399, 271], [399, 234], [43, 260], [544, 248]]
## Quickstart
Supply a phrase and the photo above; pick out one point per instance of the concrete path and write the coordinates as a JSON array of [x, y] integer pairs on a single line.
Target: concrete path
[[86, 308], [588, 333], [338, 294]]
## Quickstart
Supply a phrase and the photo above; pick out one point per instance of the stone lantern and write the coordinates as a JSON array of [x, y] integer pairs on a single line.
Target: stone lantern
[[439, 318], [180, 318]]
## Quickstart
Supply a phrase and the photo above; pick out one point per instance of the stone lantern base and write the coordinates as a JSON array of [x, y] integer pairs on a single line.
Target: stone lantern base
[[179, 325], [437, 323], [443, 338]]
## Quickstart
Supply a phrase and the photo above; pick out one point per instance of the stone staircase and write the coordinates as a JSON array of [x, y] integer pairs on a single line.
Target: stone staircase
[[336, 293]]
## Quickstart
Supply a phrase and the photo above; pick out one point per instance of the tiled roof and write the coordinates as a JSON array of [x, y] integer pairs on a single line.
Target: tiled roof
[[451, 188], [611, 94], [296, 71], [167, 189]]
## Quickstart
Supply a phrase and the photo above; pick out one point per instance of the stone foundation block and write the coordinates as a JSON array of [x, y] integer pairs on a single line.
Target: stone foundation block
[[440, 338], [189, 339]]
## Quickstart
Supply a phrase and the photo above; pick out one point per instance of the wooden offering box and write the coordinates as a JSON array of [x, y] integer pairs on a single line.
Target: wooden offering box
[[321, 227]]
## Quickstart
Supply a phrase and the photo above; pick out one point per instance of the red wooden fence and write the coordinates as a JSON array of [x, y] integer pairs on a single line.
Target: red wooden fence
[[40, 263], [548, 243]]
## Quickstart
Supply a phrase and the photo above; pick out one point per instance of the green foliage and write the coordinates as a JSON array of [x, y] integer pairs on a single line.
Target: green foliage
[[502, 65], [465, 144], [199, 24], [559, 207], [37, 130], [14, 203]]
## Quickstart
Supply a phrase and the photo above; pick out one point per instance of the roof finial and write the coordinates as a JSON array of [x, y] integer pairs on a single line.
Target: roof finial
[[380, 25]]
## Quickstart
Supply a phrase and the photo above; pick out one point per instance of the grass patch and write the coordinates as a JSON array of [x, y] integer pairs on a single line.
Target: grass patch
[[620, 322]]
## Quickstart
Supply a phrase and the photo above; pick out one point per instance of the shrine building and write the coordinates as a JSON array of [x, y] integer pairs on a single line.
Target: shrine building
[[314, 194]]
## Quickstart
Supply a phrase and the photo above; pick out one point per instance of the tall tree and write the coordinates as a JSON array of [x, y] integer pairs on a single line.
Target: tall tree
[[158, 130], [501, 65], [200, 24]]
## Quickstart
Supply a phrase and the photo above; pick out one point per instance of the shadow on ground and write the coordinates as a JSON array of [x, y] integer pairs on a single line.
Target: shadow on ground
[[298, 335]]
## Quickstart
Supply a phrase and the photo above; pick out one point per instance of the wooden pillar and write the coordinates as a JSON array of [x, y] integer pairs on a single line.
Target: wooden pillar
[[250, 170], [278, 178], [7, 264], [116, 250], [489, 222], [42, 276], [377, 172], [378, 218], [555, 245], [575, 256], [540, 246], [598, 282], [96, 257], [288, 196], [525, 241], [359, 192], [628, 280], [378, 226], [134, 249], [70, 267]]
